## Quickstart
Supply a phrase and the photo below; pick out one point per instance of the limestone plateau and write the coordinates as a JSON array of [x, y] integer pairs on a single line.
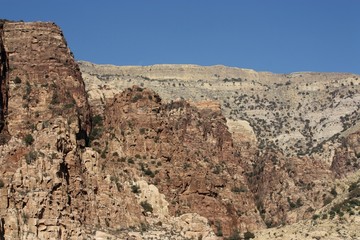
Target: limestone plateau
[[171, 151]]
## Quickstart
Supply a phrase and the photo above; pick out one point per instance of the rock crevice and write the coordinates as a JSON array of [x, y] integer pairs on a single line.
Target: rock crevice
[[4, 68]]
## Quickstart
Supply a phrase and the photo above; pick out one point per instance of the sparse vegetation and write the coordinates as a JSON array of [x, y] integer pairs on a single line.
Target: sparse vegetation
[[315, 216], [17, 80], [97, 120], [216, 169], [327, 200], [136, 98], [142, 131], [135, 189], [96, 133], [237, 189], [333, 192], [29, 140], [146, 170], [31, 157], [25, 217], [248, 235], [219, 231], [69, 105], [55, 98], [234, 236], [115, 179], [146, 206]]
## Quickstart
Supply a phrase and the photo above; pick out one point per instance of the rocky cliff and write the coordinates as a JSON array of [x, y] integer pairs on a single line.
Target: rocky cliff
[[45, 122], [294, 133], [189, 152]]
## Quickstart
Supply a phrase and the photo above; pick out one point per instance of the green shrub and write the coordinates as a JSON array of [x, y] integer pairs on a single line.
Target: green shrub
[[143, 227], [28, 139], [17, 80], [218, 226], [55, 99], [69, 105], [248, 235], [103, 154], [333, 192], [97, 120], [234, 236], [31, 157], [299, 203], [327, 201], [217, 169], [27, 89], [115, 179], [135, 189], [149, 172], [146, 206], [238, 189], [142, 131], [136, 98], [25, 217], [95, 133], [186, 166], [355, 192], [291, 203]]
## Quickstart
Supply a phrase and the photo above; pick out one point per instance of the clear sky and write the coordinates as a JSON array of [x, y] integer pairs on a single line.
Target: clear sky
[[280, 36]]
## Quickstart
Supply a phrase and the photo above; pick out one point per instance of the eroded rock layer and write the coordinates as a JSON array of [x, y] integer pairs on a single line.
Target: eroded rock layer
[[45, 121]]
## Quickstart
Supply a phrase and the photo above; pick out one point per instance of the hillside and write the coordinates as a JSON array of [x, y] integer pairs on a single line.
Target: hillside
[[296, 112], [171, 151]]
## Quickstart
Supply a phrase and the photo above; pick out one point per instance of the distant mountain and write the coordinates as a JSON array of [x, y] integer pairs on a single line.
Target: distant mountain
[[297, 113]]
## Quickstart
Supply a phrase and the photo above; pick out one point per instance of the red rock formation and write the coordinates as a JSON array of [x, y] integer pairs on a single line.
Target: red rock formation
[[45, 119], [186, 152]]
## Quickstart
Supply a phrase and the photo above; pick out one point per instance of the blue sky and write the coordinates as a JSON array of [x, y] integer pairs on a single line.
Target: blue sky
[[280, 36]]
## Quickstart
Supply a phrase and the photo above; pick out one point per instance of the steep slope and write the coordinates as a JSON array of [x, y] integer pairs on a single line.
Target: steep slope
[[294, 133], [45, 121], [185, 151], [296, 112]]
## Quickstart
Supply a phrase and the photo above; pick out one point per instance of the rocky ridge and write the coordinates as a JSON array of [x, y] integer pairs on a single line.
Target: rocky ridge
[[296, 112], [200, 156]]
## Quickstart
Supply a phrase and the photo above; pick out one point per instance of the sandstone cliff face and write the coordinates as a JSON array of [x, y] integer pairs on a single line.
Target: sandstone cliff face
[[186, 152], [45, 120]]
